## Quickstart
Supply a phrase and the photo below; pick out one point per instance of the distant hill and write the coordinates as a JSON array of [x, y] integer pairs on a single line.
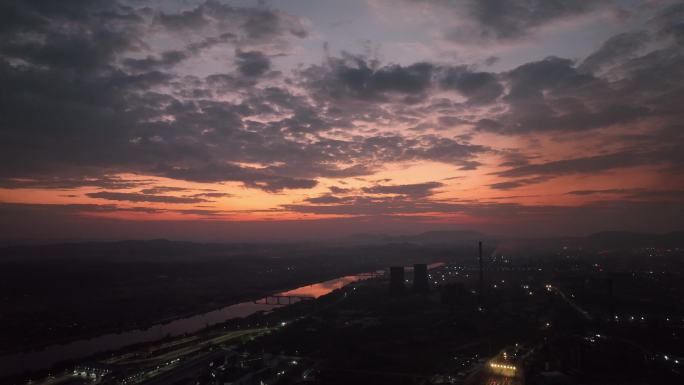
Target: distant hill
[[606, 240], [161, 249], [131, 249], [624, 239], [430, 237]]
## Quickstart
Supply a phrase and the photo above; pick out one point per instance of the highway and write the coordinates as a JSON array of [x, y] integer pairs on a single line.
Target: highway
[[186, 370], [199, 345], [572, 304]]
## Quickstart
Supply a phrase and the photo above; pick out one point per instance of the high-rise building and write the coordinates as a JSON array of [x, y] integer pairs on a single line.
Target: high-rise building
[[397, 280], [420, 278]]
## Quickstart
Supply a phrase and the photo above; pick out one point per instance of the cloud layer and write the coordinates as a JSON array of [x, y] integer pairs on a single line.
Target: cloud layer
[[215, 111]]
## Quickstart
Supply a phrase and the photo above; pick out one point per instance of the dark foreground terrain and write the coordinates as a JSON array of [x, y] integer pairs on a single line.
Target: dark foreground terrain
[[571, 311]]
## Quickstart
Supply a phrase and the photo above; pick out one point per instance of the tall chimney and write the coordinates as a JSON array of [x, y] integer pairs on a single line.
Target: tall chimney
[[481, 289]]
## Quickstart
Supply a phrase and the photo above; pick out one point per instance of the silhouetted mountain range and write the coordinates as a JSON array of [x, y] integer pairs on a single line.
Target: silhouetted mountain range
[[624, 239], [430, 237], [161, 248], [606, 239]]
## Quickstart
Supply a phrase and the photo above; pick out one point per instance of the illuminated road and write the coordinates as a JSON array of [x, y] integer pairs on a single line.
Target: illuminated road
[[187, 350], [162, 373], [572, 304], [64, 379], [483, 376], [188, 369], [182, 362]]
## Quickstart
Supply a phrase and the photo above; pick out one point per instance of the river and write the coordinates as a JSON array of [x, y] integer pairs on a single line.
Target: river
[[42, 359]]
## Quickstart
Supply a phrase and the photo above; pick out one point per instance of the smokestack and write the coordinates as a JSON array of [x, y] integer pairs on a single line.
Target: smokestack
[[481, 290]]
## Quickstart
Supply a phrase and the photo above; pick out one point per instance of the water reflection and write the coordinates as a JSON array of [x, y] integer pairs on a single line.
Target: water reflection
[[322, 288]]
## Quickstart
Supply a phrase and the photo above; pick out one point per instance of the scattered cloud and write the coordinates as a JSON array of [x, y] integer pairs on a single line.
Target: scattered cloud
[[137, 197], [409, 190]]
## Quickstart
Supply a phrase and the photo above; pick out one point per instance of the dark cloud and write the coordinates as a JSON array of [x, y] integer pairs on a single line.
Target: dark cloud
[[635, 193], [204, 193], [252, 63], [138, 197], [605, 191], [677, 195], [447, 151], [68, 183], [252, 23], [356, 77], [200, 212], [550, 95], [212, 195], [508, 185], [185, 20], [589, 164], [200, 126], [197, 47], [478, 87], [162, 190], [65, 215], [532, 173], [280, 183], [491, 60], [512, 19], [373, 206], [599, 215], [326, 199], [630, 79], [165, 60], [124, 124], [53, 116], [668, 23], [615, 50], [70, 34], [80, 67], [378, 200], [553, 95], [410, 190], [339, 190], [249, 176], [481, 21], [50, 210], [514, 158]]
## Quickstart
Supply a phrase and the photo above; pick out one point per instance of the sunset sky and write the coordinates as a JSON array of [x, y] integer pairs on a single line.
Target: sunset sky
[[299, 119]]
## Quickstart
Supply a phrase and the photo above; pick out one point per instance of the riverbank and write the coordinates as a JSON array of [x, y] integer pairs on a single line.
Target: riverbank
[[52, 355], [198, 310]]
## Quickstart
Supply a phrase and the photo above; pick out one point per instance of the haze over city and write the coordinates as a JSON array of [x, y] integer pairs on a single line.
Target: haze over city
[[223, 121]]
